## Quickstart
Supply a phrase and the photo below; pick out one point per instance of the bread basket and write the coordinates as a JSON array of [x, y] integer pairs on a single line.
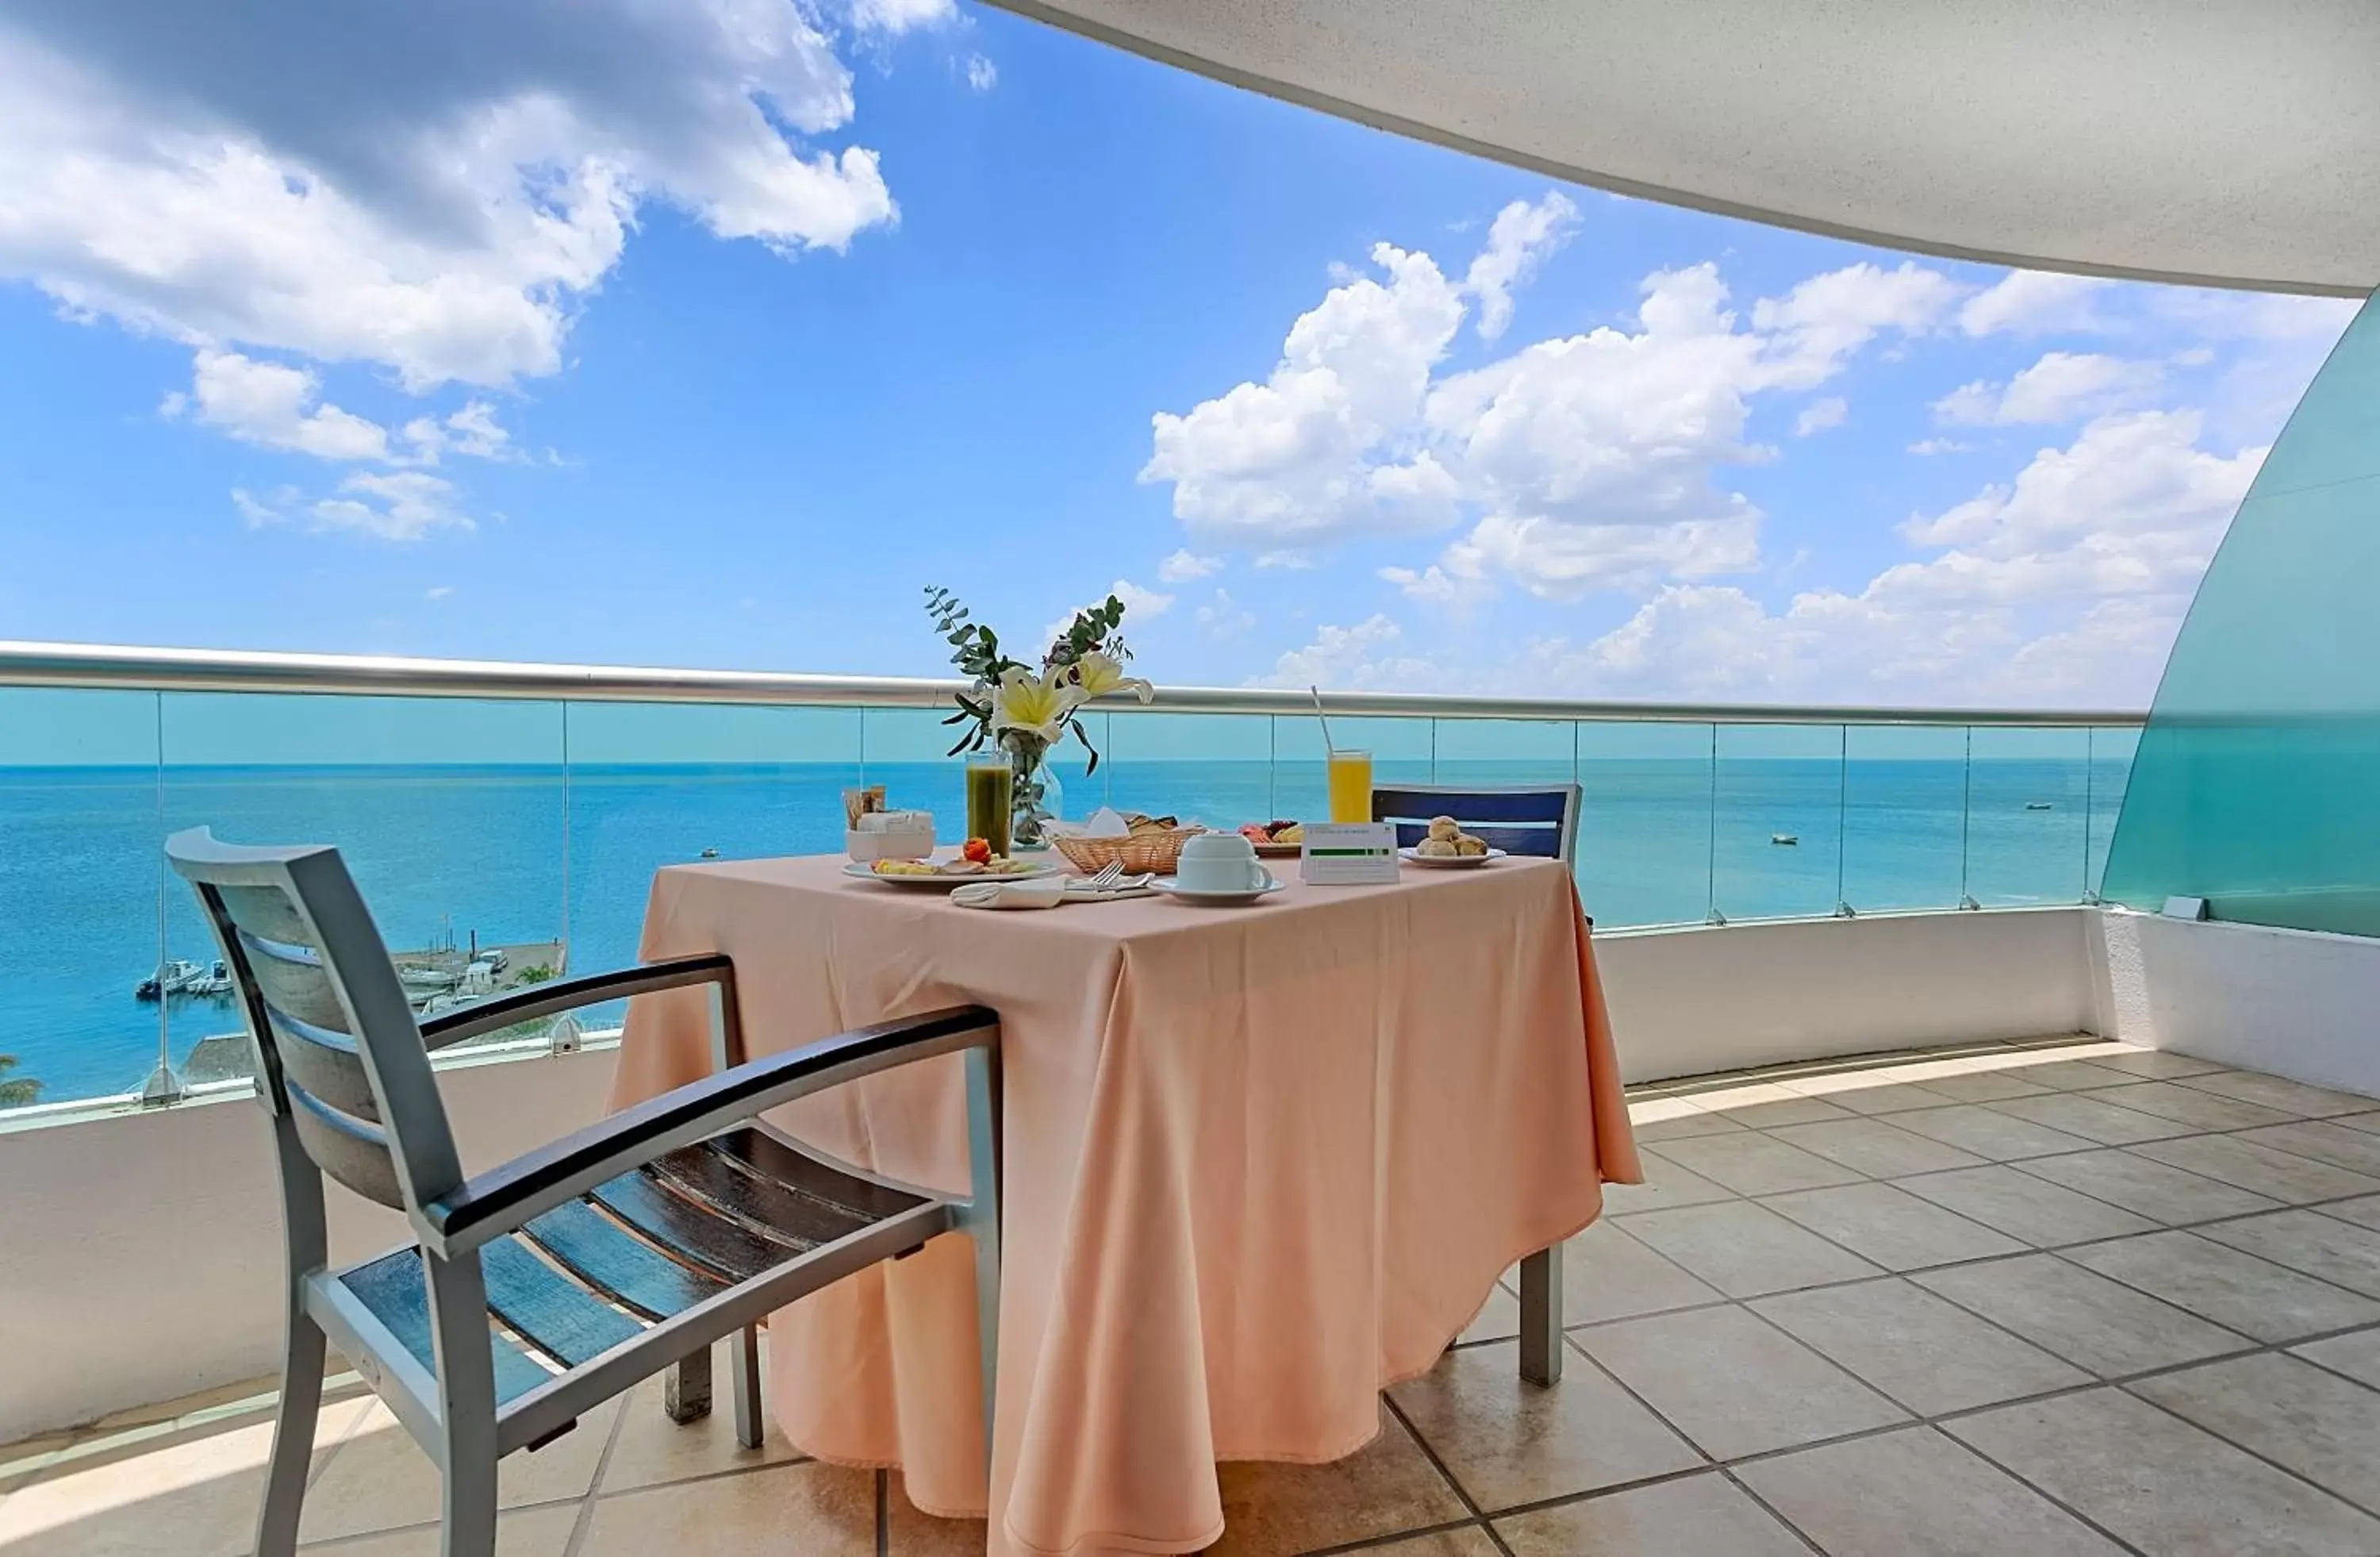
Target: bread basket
[[1157, 849]]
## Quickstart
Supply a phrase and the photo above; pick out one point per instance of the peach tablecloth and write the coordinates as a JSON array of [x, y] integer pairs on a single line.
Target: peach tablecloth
[[1260, 1162]]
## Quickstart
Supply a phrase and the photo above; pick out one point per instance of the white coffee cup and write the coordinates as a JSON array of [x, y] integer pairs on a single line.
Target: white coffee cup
[[1221, 862]]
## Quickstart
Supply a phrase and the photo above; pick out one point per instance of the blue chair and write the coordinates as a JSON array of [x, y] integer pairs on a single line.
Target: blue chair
[[1540, 819], [1528, 819]]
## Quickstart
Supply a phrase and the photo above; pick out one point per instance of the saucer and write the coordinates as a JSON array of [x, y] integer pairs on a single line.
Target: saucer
[[1230, 897]]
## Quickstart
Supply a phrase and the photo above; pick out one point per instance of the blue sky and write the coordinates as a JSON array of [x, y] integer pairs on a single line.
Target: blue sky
[[566, 360]]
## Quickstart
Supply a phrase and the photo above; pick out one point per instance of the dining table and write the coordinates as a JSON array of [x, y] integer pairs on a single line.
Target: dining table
[[1259, 1163]]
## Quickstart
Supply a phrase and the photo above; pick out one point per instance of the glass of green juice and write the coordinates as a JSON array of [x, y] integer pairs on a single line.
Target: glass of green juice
[[990, 795]]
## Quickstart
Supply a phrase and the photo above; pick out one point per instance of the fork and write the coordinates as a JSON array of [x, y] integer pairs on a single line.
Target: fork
[[1106, 876]]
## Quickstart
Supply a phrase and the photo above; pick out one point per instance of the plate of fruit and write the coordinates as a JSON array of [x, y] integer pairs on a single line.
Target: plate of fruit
[[1275, 840], [974, 862]]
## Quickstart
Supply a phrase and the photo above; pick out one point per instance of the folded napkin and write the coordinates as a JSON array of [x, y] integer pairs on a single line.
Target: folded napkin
[[1046, 891]]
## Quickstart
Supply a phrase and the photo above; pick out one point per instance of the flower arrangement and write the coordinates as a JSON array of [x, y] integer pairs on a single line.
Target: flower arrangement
[[1026, 710]]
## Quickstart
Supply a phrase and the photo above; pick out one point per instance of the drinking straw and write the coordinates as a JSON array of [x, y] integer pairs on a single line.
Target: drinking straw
[[1327, 744]]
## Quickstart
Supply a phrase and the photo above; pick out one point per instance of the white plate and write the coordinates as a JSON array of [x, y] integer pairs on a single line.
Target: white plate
[[1180, 893], [1453, 862], [860, 872]]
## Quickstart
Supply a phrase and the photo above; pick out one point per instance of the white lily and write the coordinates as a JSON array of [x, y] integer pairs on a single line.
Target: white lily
[[1100, 673], [1025, 702]]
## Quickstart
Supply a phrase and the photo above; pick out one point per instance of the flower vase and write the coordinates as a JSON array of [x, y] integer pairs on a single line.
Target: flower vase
[[1037, 796]]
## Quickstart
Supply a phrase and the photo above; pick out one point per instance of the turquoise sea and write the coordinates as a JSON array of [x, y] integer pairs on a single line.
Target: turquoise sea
[[526, 852]]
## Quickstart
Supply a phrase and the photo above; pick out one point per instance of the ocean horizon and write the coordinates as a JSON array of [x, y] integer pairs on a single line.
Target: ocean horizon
[[525, 852]]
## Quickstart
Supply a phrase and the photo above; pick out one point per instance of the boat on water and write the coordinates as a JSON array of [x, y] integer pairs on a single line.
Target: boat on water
[[2037, 806], [711, 854], [173, 979], [1785, 840]]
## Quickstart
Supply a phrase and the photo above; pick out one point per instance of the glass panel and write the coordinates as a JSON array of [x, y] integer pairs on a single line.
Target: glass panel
[[1400, 748], [2254, 784], [2026, 816], [2112, 752], [1904, 816], [1214, 768], [663, 783], [448, 812], [1779, 819], [82, 880], [1645, 824], [906, 750], [1493, 751]]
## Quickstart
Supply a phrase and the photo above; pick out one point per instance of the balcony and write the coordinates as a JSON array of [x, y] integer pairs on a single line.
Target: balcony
[[2058, 1295]]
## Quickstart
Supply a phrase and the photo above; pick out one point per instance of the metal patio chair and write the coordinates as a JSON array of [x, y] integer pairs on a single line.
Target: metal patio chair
[[543, 1287], [1528, 819]]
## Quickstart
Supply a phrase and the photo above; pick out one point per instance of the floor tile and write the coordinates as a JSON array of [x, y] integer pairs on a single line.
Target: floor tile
[[2145, 1187], [2076, 1074], [817, 1510], [2161, 1065], [1733, 1383], [2357, 1355], [1983, 1086], [652, 1448], [1666, 1185], [2290, 1412], [1763, 1104], [2092, 1117], [189, 1497], [1655, 1119], [911, 1532], [1509, 1442], [1745, 1250], [2161, 1484], [1888, 1225], [1388, 1485], [1499, 1320], [2274, 1091], [2238, 1291], [380, 1479], [1928, 1355], [2041, 1213], [1866, 1094], [2309, 1241], [1991, 1134], [1706, 1515], [1469, 1540], [528, 1532], [1916, 1490], [2364, 1212], [2200, 1110], [2370, 1122], [1608, 1274], [1754, 1163], [2322, 1141], [1879, 1148], [2079, 1315], [2281, 1174]]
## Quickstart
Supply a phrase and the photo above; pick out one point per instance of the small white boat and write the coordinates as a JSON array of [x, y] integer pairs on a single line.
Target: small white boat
[[214, 983], [174, 978], [1785, 840], [711, 854]]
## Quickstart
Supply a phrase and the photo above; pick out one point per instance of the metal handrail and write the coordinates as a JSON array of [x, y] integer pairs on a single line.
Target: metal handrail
[[216, 670]]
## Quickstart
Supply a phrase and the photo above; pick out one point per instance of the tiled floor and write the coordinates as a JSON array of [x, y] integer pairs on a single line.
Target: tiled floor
[[2057, 1298]]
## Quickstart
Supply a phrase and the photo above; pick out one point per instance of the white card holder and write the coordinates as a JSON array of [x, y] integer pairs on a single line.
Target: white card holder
[[1348, 854]]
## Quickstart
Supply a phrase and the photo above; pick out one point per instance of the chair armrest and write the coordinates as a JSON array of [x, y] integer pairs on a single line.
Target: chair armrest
[[569, 995], [502, 1199]]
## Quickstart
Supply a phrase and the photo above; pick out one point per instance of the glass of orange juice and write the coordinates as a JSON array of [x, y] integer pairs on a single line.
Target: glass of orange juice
[[1351, 785]]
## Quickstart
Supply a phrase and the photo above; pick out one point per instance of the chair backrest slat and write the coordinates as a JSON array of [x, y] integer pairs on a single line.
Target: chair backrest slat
[[338, 1053], [1540, 819]]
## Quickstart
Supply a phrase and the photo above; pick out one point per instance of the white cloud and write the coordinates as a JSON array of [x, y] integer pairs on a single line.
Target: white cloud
[[1940, 446], [1288, 560], [1813, 329], [2062, 386], [901, 16], [438, 591], [1186, 566], [274, 407], [981, 73], [1349, 659], [473, 430], [1223, 616], [1518, 241], [1140, 604], [433, 191], [2036, 302], [1820, 415], [398, 505]]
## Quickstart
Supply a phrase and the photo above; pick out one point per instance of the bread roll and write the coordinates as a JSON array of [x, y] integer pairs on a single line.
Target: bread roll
[[1466, 843], [1436, 848], [1442, 827]]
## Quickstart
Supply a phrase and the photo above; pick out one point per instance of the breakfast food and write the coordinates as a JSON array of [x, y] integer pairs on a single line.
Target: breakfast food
[[903, 868], [977, 849], [1442, 828], [1137, 823], [966, 865], [1447, 840], [1263, 832]]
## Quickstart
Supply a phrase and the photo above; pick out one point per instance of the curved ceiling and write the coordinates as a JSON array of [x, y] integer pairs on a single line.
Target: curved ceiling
[[2225, 142]]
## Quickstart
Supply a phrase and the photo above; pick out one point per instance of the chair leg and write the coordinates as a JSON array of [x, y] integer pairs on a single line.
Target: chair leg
[[292, 1438], [744, 1360], [1541, 1316], [983, 1220], [469, 1519], [686, 1394]]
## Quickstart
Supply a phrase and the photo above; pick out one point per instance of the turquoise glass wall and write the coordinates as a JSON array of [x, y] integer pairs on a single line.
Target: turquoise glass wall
[[2257, 785]]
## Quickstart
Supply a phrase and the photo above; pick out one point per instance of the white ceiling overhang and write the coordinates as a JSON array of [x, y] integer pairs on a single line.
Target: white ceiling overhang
[[2227, 142]]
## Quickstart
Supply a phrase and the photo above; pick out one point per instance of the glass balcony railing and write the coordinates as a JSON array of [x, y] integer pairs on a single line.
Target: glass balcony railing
[[509, 837]]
